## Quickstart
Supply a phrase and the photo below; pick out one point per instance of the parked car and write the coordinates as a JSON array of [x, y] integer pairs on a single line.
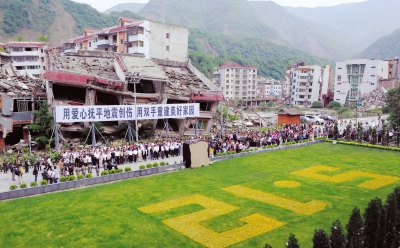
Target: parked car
[[327, 118], [304, 119], [315, 120]]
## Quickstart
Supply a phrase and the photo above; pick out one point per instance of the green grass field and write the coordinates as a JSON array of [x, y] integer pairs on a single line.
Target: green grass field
[[112, 215]]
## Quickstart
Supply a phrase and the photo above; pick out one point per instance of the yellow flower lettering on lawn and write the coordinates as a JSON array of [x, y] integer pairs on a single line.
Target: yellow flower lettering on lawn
[[379, 180], [189, 224], [308, 208]]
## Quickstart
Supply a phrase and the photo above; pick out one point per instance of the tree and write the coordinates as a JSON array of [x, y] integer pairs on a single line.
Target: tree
[[316, 104], [20, 38], [372, 223], [292, 242], [267, 246], [355, 230], [392, 106], [43, 126], [321, 239], [337, 238], [335, 131], [334, 105], [262, 106], [42, 38], [348, 130]]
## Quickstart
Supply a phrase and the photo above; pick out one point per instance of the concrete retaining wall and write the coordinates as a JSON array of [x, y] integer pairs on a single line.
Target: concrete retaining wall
[[131, 174]]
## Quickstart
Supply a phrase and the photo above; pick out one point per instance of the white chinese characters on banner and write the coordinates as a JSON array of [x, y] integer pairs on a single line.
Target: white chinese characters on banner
[[92, 113]]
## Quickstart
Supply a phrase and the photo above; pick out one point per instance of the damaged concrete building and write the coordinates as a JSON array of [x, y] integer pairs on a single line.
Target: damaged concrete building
[[19, 95], [101, 78]]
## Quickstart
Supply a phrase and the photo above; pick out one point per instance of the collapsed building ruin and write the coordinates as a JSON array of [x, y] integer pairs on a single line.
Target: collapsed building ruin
[[101, 78], [19, 96]]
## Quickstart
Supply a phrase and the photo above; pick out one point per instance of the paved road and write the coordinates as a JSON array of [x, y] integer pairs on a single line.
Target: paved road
[[6, 179]]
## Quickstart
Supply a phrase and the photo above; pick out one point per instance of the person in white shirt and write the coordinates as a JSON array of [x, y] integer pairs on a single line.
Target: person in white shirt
[[55, 175]]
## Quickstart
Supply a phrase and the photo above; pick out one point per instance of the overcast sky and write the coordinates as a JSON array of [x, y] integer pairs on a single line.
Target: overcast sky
[[102, 5]]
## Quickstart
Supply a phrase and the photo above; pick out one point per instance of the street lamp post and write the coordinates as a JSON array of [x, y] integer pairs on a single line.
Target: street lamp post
[[135, 79]]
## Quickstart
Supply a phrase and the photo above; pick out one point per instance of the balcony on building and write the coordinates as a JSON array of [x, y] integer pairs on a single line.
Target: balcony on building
[[102, 40], [69, 47], [135, 33], [24, 51], [136, 47]]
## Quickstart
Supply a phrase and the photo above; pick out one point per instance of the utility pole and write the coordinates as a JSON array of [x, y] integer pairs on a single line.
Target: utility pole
[[222, 114]]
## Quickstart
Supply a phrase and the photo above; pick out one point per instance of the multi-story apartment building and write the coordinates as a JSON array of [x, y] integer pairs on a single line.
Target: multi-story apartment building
[[27, 57], [306, 84], [132, 36], [358, 77], [236, 81], [269, 86]]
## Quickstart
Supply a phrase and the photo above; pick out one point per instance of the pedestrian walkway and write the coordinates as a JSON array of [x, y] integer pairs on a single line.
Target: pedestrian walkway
[[6, 179]]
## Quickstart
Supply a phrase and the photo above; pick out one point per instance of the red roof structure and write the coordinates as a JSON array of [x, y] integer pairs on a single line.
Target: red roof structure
[[24, 44]]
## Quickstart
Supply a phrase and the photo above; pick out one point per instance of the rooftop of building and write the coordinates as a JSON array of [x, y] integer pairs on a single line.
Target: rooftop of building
[[24, 44], [235, 66]]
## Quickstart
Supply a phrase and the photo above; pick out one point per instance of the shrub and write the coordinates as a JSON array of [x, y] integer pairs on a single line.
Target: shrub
[[255, 149], [63, 179], [43, 182], [316, 104], [34, 184], [120, 170], [128, 169], [334, 105], [175, 162], [89, 175], [13, 187], [72, 178], [155, 164], [23, 186], [80, 176], [162, 163], [142, 167], [113, 171], [104, 173], [149, 165], [167, 163]]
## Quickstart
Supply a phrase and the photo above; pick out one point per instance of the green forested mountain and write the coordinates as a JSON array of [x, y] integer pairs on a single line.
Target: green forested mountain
[[386, 47], [58, 19], [258, 19], [210, 50], [362, 23]]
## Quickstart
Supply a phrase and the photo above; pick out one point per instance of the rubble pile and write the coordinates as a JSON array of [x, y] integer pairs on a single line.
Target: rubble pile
[[182, 82], [96, 66], [19, 85], [374, 99]]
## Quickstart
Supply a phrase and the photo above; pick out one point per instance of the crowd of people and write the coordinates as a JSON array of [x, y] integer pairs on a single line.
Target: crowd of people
[[90, 160], [240, 140]]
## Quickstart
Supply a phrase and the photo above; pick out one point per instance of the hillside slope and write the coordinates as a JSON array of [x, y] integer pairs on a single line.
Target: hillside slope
[[241, 18], [133, 7], [362, 23], [386, 47], [270, 58]]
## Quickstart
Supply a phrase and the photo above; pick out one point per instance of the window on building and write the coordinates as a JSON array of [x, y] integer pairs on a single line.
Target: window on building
[[122, 41], [95, 39], [44, 67], [227, 75], [122, 24], [90, 44], [20, 68], [167, 35], [227, 92], [41, 50], [373, 67], [339, 77], [106, 49], [167, 48], [372, 75], [339, 68]]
